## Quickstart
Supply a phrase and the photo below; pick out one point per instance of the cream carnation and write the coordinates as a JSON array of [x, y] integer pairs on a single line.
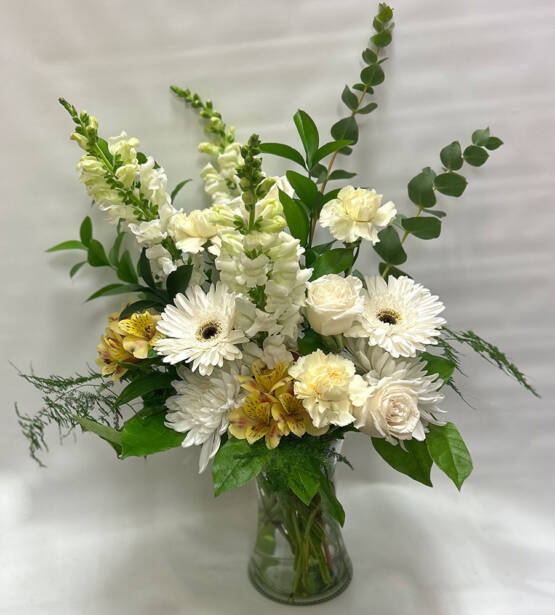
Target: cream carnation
[[399, 315], [333, 302], [328, 387], [191, 232], [356, 213]]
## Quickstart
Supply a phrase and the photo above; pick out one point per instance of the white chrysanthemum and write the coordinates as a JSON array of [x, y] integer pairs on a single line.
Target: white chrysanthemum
[[402, 397], [200, 328], [399, 315], [201, 407], [328, 387], [356, 213]]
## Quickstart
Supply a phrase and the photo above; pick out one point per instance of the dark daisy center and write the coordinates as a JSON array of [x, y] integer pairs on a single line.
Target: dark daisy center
[[388, 317], [209, 330]]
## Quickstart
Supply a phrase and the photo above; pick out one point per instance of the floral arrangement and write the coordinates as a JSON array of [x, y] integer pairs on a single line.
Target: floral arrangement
[[243, 335]]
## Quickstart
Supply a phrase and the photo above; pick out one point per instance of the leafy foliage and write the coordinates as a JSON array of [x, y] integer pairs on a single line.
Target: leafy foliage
[[415, 461], [449, 452]]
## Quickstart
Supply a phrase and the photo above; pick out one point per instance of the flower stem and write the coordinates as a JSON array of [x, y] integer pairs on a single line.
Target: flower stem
[[403, 239]]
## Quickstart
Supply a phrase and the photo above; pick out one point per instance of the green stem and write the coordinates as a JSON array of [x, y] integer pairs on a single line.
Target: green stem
[[403, 239]]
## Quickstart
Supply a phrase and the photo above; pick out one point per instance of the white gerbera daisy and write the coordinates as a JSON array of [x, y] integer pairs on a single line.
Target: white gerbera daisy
[[402, 397], [398, 315], [200, 328], [201, 408], [356, 213]]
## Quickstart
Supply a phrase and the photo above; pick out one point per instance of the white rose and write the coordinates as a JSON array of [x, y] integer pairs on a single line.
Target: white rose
[[333, 302]]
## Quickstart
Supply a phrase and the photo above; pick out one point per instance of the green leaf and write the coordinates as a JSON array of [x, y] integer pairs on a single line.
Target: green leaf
[[438, 365], [85, 232], [448, 450], [178, 281], [303, 482], [345, 129], [340, 174], [107, 433], [139, 306], [305, 188], [422, 227], [493, 143], [381, 39], [177, 189], [451, 184], [421, 188], [143, 267], [308, 132], [437, 213], [391, 271], [310, 342], [285, 151], [312, 254], [372, 75], [350, 99], [480, 137], [389, 247], [115, 289], [328, 149], [475, 155], [296, 216], [96, 255], [236, 463], [114, 252], [385, 12], [415, 462], [68, 245], [369, 56], [333, 505], [451, 156], [76, 268], [334, 261], [368, 108], [146, 434], [329, 196], [152, 382], [126, 269]]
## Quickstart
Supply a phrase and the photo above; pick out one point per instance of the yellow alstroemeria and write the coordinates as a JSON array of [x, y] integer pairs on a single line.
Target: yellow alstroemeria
[[140, 333], [111, 354], [270, 410]]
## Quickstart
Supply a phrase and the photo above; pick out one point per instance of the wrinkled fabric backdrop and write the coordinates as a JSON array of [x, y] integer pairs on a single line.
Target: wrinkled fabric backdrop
[[91, 534]]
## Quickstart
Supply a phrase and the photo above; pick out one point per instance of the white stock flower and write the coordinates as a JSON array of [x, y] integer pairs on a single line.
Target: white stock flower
[[402, 397], [398, 315], [328, 388], [333, 302], [201, 408], [356, 213], [161, 261], [200, 328], [148, 233], [191, 231]]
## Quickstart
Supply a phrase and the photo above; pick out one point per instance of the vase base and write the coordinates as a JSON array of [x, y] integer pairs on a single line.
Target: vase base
[[303, 600]]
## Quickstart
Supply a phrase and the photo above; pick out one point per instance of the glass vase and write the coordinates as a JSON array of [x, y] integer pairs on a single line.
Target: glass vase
[[299, 556]]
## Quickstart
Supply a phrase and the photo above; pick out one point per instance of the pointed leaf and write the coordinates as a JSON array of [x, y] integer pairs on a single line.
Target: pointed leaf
[[367, 108], [340, 174], [178, 280], [334, 261], [372, 75], [96, 255], [285, 151], [85, 232], [296, 216], [153, 382], [389, 247], [305, 188], [480, 137], [68, 245], [126, 269], [345, 129], [414, 462], [308, 132], [236, 463], [114, 252], [328, 149], [449, 452], [350, 99], [146, 434], [115, 289], [140, 306], [76, 268], [177, 189], [107, 433]]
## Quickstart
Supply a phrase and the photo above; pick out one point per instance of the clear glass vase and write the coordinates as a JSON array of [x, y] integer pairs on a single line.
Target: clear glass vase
[[299, 556]]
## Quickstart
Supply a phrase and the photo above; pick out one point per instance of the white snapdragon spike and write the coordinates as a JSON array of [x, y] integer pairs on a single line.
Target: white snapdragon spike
[[93, 177], [399, 315], [219, 176], [161, 261], [124, 147], [356, 213], [402, 397], [329, 388], [200, 329], [148, 233], [251, 319], [201, 407], [333, 302], [153, 187], [192, 231]]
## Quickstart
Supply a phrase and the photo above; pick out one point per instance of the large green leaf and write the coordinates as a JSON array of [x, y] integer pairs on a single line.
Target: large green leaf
[[481, 136], [414, 462], [438, 365], [451, 184], [308, 132], [115, 289], [296, 216], [310, 342], [85, 231], [350, 99], [449, 452], [107, 433], [285, 151], [327, 493], [236, 463], [421, 188], [389, 247], [328, 149], [96, 255], [153, 382], [143, 267], [345, 128], [305, 188], [475, 155], [423, 227], [144, 435], [372, 75], [68, 245], [334, 261], [126, 269], [303, 481], [451, 156], [178, 280]]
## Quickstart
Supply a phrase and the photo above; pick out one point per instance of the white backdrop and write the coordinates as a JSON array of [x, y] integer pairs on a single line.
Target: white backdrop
[[93, 535]]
